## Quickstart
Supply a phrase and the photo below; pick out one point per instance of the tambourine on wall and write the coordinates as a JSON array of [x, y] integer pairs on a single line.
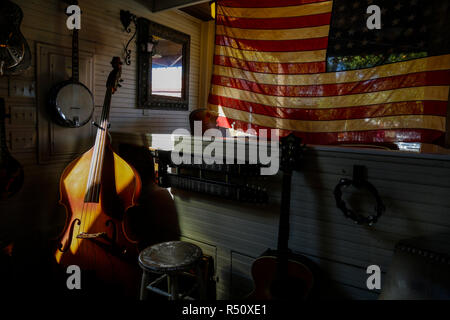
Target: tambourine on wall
[[358, 181]]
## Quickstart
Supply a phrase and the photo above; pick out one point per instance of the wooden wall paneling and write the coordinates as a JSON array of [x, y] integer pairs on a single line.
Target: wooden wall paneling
[[207, 54], [21, 128], [248, 235], [170, 4], [223, 273], [416, 205], [241, 282]]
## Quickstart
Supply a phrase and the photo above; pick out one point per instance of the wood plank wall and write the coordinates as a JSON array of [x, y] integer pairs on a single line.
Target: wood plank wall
[[414, 190], [33, 215]]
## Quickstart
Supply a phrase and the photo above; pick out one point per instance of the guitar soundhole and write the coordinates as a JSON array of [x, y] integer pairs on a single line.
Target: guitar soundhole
[[289, 289]]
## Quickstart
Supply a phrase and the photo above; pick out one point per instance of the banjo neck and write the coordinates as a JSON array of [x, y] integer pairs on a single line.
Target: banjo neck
[[75, 57], [70, 101]]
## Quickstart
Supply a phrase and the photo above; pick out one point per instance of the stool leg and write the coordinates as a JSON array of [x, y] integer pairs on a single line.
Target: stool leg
[[144, 283], [201, 282], [172, 282]]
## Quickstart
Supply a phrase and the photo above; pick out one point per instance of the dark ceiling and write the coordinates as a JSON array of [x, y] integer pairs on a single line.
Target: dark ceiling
[[201, 11]]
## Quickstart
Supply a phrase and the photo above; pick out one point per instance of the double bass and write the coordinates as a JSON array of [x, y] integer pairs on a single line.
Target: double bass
[[96, 190]]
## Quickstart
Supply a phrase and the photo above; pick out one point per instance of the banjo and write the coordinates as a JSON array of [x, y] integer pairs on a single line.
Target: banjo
[[71, 103]]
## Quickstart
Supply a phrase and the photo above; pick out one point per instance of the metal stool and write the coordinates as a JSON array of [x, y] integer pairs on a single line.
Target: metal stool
[[171, 259]]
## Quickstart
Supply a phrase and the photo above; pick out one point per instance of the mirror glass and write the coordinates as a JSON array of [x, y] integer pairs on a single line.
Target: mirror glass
[[163, 67], [167, 67]]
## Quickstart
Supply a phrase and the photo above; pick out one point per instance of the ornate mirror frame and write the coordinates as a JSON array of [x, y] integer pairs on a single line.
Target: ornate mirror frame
[[145, 99]]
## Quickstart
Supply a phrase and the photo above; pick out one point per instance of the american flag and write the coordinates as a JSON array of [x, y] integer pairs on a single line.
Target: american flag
[[277, 65]]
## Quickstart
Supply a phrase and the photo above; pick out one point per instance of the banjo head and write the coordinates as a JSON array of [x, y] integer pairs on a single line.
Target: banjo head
[[73, 104]]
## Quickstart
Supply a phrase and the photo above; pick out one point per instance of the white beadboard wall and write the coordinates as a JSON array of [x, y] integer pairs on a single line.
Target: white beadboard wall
[[415, 189]]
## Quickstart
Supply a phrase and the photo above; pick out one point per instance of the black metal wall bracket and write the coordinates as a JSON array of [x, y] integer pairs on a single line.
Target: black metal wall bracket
[[359, 181], [126, 17]]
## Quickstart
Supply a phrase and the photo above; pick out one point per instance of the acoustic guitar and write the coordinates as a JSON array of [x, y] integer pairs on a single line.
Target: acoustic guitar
[[281, 274], [71, 103], [15, 55], [11, 172]]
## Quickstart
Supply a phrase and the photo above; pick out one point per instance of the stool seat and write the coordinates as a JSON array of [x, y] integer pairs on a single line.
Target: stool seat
[[169, 257]]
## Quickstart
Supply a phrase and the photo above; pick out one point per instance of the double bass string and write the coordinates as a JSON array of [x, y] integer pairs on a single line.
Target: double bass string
[[103, 136], [102, 143], [88, 195], [88, 201], [98, 164], [89, 205], [97, 189]]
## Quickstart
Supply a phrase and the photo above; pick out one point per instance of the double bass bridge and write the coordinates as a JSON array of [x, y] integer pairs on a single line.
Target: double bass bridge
[[85, 235]]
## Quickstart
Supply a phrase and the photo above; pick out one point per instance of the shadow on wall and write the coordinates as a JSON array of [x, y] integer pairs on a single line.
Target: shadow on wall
[[155, 218]]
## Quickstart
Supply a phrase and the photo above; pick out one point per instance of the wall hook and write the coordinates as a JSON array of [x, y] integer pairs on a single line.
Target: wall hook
[[126, 17]]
